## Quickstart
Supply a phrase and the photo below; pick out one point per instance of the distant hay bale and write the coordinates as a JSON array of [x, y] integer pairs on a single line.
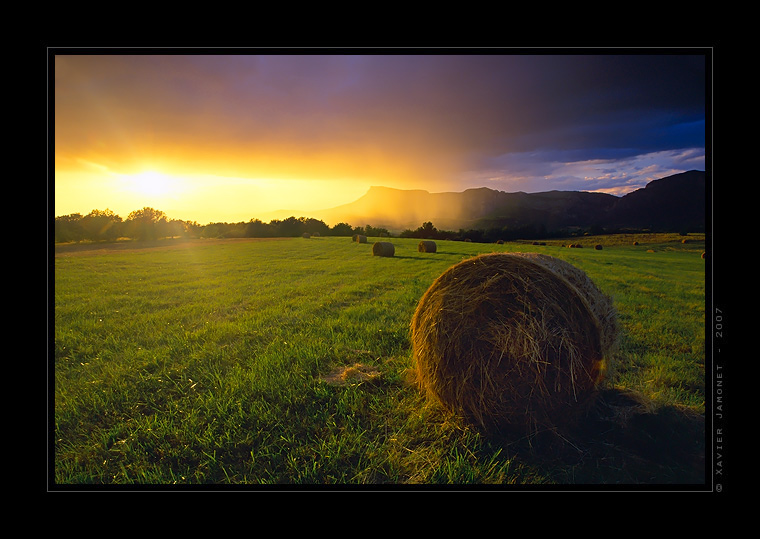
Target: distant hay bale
[[500, 242], [598, 246], [467, 240], [635, 243], [507, 342], [383, 248], [427, 246], [316, 235], [704, 254], [306, 235], [358, 238], [684, 240]]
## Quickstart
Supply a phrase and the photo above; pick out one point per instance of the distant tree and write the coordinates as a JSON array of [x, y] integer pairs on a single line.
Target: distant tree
[[373, 231], [102, 225], [342, 229], [428, 231], [290, 227], [69, 228], [146, 224], [255, 228], [312, 226]]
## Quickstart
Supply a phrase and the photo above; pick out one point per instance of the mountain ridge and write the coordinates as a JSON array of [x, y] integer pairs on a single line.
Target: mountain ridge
[[673, 203]]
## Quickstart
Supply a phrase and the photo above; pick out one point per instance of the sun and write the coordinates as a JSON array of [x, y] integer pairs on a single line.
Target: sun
[[151, 183]]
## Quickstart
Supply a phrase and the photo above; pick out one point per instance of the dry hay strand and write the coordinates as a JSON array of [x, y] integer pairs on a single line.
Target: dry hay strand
[[602, 305], [383, 248], [351, 375], [427, 246], [506, 342]]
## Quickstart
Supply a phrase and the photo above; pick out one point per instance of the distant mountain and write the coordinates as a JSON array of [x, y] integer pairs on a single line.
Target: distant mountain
[[674, 203]]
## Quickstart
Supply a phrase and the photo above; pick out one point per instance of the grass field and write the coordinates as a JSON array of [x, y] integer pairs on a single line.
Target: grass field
[[286, 362]]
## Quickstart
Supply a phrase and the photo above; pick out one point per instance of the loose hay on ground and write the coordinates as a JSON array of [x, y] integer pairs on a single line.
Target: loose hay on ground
[[351, 375], [507, 342]]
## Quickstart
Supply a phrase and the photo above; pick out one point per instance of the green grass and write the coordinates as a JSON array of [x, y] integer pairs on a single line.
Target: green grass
[[206, 363]]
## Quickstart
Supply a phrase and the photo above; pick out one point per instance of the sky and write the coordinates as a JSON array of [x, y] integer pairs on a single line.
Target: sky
[[233, 137]]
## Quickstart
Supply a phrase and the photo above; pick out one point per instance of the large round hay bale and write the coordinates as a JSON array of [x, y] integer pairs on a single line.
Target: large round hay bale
[[601, 304], [358, 238], [505, 341], [383, 248], [306, 235], [427, 246]]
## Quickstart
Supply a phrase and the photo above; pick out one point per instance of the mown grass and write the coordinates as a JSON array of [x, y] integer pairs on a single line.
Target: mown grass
[[209, 364]]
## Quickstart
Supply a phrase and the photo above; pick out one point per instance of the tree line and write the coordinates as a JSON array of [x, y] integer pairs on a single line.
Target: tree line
[[151, 224]]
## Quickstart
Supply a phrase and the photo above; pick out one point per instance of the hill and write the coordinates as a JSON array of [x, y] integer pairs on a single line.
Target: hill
[[673, 203]]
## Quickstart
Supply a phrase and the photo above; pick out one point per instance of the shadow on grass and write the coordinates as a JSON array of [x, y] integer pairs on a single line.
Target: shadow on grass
[[622, 440]]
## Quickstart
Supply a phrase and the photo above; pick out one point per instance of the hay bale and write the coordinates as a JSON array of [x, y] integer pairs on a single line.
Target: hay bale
[[358, 238], [306, 235], [316, 235], [635, 243], [602, 305], [598, 246], [427, 246], [383, 248], [505, 341], [499, 242], [704, 254]]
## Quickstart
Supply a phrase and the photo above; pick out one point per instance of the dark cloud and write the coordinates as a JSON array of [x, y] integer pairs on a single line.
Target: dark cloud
[[449, 114]]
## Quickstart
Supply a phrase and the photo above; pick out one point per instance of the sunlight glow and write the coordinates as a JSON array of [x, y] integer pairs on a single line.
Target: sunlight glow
[[151, 183]]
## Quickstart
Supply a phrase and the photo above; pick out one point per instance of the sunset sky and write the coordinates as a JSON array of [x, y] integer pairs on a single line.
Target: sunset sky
[[231, 137]]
